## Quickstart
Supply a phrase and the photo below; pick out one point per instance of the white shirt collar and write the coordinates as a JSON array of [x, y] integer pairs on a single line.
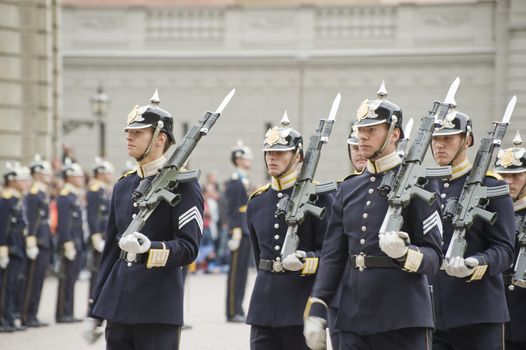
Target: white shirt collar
[[520, 203], [381, 165], [461, 169], [285, 181], [148, 169]]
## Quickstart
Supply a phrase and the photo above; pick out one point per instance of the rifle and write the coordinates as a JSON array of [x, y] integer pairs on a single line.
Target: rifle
[[407, 182], [402, 144], [474, 196], [305, 192], [519, 275], [151, 191]]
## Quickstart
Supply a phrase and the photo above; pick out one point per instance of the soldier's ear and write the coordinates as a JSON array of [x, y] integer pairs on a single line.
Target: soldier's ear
[[395, 136]]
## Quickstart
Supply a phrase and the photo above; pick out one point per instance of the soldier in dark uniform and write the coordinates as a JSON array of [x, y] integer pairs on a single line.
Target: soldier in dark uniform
[[98, 208], [470, 302], [140, 287], [70, 243], [12, 231], [358, 163], [511, 165], [282, 286], [38, 240], [378, 280], [239, 243]]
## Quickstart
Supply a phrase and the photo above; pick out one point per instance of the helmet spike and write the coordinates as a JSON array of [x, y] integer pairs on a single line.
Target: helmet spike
[[382, 91], [155, 98], [285, 119], [517, 141]]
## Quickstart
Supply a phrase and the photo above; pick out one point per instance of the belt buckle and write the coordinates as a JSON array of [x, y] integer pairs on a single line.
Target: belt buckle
[[360, 261], [277, 266]]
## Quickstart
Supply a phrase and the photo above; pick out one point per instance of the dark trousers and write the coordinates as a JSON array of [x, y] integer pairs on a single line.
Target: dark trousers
[[35, 275], [277, 338], [483, 336], [400, 339], [94, 266], [333, 331], [9, 288], [68, 275], [237, 278], [149, 336]]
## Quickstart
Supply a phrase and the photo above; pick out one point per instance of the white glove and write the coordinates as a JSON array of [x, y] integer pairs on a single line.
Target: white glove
[[136, 243], [394, 244], [98, 242], [69, 250], [31, 247], [314, 333], [235, 240], [92, 329], [294, 262], [460, 267]]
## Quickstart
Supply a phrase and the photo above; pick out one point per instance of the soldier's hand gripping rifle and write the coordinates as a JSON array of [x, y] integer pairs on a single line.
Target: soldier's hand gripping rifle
[[474, 196], [151, 191], [305, 192], [407, 182], [519, 275]]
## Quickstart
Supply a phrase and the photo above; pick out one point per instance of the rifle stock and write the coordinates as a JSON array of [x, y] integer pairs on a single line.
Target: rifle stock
[[305, 192], [474, 196], [519, 274]]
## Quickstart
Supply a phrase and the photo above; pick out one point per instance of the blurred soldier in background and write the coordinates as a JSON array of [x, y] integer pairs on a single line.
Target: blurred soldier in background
[[358, 163], [38, 240], [236, 189], [98, 208], [71, 244], [142, 270], [469, 292], [377, 280], [13, 228], [511, 165], [282, 285]]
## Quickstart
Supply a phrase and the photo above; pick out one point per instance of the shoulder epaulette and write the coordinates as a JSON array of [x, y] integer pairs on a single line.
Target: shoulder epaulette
[[356, 173], [7, 195], [259, 191], [94, 187], [127, 174], [234, 176], [493, 174], [64, 192]]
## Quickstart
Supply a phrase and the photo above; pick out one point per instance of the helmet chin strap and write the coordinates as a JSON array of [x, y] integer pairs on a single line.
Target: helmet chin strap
[[461, 149], [520, 193], [155, 135], [387, 138], [288, 167]]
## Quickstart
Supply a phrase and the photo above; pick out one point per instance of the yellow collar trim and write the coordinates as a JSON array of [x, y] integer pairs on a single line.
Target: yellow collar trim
[[11, 192], [68, 187], [383, 164], [39, 186], [461, 169], [520, 203], [286, 181], [149, 169]]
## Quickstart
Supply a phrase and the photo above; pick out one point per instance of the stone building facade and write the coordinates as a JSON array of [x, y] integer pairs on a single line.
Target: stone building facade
[[289, 55], [30, 79]]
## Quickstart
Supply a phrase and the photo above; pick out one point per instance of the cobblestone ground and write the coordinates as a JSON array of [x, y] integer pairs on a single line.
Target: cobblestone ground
[[204, 310]]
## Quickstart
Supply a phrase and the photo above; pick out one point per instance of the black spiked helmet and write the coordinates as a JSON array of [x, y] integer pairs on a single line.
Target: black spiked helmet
[[283, 138], [454, 123], [378, 111], [149, 117], [240, 151], [512, 160]]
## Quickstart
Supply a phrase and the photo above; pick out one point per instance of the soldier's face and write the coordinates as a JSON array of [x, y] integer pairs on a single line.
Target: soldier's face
[[357, 158], [21, 185], [371, 139], [516, 181], [77, 181], [446, 147], [138, 141], [277, 162]]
